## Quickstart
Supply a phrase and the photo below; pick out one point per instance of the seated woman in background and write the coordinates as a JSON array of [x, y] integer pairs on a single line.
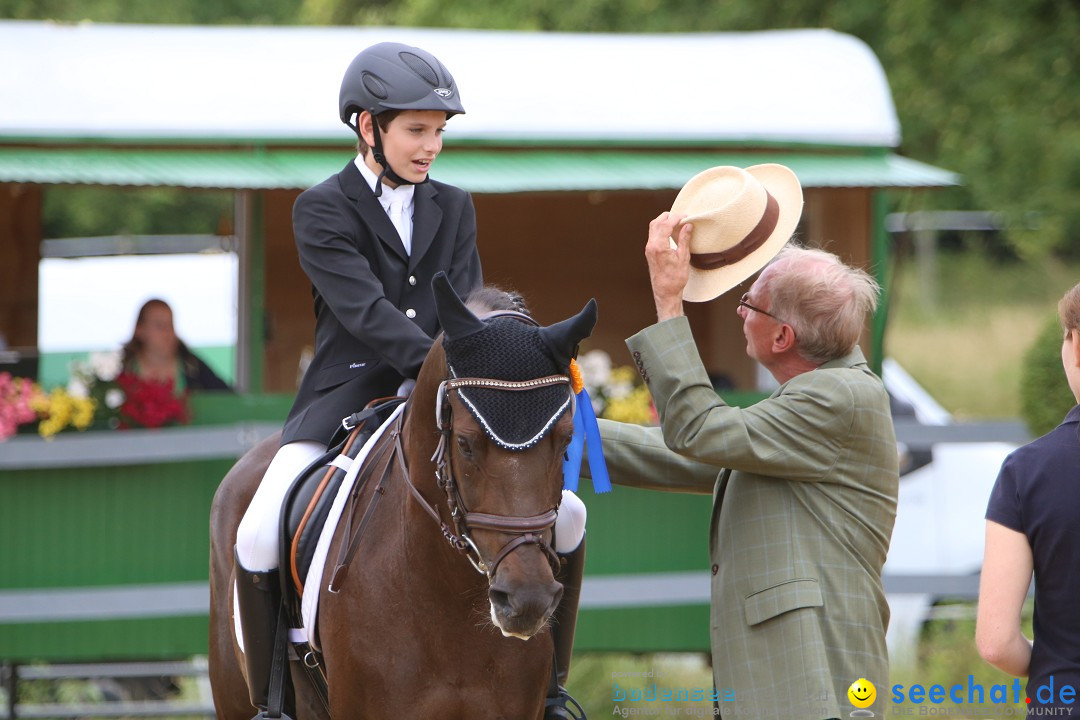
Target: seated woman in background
[[154, 353]]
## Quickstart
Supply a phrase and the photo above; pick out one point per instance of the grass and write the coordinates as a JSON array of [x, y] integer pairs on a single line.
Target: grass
[[962, 331], [946, 657], [594, 676]]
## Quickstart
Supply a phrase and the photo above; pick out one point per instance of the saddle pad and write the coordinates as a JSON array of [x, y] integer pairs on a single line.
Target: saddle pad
[[309, 604], [305, 507]]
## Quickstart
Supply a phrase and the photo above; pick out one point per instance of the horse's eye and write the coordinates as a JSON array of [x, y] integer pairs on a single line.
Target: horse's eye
[[464, 447]]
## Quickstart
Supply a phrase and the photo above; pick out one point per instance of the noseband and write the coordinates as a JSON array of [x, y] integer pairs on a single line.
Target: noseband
[[525, 530]]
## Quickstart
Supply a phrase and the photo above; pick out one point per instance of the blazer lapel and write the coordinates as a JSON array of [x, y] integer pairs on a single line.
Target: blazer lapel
[[427, 216], [356, 189]]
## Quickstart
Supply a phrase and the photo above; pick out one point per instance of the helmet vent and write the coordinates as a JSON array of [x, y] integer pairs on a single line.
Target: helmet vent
[[375, 86], [421, 68]]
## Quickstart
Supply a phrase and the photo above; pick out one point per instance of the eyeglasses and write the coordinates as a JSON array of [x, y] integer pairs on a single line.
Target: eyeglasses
[[743, 303]]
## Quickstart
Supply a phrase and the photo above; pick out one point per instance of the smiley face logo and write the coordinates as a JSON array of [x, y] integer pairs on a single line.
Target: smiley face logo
[[862, 693]]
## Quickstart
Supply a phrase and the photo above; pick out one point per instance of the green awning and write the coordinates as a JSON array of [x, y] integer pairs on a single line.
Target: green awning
[[484, 171]]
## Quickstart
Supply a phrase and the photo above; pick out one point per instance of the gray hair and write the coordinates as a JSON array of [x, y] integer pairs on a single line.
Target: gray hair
[[824, 300]]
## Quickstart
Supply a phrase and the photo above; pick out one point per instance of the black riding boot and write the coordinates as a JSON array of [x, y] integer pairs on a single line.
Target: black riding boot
[[564, 621], [259, 597]]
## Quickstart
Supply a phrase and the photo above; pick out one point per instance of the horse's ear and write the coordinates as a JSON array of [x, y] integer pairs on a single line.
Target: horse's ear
[[562, 338], [456, 319]]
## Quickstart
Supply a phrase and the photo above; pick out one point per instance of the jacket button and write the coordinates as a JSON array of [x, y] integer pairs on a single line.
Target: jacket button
[[715, 568], [410, 313], [412, 279]]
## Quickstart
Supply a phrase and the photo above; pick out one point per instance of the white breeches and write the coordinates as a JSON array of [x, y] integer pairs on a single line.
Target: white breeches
[[257, 537]]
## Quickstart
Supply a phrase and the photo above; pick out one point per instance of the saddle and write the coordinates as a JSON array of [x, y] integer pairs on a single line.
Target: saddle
[[307, 503]]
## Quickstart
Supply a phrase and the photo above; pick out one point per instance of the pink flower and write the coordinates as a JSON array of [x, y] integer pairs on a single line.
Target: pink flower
[[15, 410]]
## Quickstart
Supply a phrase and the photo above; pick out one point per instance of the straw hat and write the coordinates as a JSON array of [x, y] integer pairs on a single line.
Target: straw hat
[[741, 218]]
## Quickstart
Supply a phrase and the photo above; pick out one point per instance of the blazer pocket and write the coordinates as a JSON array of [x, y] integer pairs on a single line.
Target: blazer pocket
[[779, 599], [335, 375]]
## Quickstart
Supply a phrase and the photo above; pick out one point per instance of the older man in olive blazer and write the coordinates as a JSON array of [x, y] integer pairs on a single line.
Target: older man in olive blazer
[[804, 483]]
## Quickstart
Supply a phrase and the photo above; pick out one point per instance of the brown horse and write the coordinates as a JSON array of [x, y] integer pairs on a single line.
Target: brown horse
[[413, 630]]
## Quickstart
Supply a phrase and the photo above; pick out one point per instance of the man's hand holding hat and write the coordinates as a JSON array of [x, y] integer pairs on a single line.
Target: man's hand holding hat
[[669, 263]]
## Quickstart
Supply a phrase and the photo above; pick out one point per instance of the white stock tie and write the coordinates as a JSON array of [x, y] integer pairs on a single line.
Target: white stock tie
[[395, 211]]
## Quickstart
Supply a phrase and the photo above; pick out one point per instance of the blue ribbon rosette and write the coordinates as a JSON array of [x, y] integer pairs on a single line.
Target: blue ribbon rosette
[[586, 435]]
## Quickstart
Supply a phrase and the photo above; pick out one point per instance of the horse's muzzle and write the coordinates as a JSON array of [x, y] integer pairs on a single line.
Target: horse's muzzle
[[522, 610]]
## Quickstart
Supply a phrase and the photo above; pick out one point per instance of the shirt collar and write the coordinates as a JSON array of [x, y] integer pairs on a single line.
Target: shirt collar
[[853, 358], [402, 193]]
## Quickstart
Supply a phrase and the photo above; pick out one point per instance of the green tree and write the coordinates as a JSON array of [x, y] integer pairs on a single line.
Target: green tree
[[990, 89], [189, 12], [1045, 396], [85, 211]]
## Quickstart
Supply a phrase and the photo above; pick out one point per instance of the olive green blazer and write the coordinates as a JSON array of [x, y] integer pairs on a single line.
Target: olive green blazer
[[804, 487]]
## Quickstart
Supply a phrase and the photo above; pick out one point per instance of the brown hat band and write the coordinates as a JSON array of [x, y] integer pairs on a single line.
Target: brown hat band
[[753, 240]]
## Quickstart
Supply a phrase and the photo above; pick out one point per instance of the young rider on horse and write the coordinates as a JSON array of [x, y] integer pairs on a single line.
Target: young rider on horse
[[370, 239]]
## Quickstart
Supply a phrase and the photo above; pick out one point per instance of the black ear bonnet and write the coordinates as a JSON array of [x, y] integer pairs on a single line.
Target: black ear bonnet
[[506, 348]]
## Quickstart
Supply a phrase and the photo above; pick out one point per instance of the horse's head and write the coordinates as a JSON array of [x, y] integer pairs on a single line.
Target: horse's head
[[504, 416]]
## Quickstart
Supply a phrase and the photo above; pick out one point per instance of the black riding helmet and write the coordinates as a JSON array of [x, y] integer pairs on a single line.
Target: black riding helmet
[[395, 76]]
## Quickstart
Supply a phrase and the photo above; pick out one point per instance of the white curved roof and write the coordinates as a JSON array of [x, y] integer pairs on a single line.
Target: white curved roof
[[281, 83]]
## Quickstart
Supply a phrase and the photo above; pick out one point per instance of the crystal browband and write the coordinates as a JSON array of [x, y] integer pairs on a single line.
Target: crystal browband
[[456, 383]]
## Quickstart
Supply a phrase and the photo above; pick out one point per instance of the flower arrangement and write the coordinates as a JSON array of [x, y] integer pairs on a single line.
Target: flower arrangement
[[95, 380], [617, 392], [17, 399], [150, 404], [59, 409], [123, 399], [99, 395]]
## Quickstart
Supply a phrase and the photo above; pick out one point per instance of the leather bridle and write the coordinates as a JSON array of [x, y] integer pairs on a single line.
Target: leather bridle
[[528, 530]]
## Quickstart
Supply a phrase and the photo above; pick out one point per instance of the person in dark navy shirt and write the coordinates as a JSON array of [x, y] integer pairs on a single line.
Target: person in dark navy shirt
[[1032, 527]]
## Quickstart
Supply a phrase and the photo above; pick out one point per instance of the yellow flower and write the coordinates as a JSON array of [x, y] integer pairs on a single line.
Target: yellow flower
[[39, 403], [635, 407], [59, 409], [623, 376], [617, 393], [83, 412]]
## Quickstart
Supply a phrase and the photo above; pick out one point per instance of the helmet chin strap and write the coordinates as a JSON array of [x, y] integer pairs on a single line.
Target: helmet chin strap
[[380, 157]]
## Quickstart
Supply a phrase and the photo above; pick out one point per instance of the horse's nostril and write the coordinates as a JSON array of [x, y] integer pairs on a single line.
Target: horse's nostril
[[500, 599], [556, 598]]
